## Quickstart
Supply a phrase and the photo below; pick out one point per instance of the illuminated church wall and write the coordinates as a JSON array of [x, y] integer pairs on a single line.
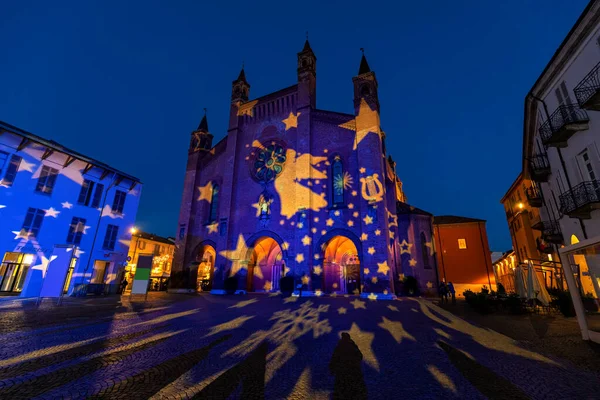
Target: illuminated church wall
[[301, 176], [39, 204]]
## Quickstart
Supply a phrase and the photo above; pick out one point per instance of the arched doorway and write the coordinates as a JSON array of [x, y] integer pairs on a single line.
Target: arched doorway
[[341, 266], [206, 267], [265, 266]]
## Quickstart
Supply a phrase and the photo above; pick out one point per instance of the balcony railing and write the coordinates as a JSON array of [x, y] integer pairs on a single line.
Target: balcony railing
[[563, 123], [587, 91], [534, 196], [535, 220], [551, 232], [539, 167], [581, 200]]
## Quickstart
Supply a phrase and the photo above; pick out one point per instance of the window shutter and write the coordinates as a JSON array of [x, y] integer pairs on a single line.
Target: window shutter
[[97, 195]]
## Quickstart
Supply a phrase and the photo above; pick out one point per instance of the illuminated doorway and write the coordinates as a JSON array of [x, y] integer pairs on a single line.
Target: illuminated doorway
[[265, 266], [341, 267], [206, 268]]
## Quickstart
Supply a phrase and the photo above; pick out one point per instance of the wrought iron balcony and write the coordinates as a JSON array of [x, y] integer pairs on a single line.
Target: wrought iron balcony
[[551, 232], [587, 91], [534, 196], [563, 123], [539, 167], [581, 200]]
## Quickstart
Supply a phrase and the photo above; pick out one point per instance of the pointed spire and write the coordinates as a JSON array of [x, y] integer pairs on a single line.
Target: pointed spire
[[203, 124], [242, 75], [306, 44], [364, 65]]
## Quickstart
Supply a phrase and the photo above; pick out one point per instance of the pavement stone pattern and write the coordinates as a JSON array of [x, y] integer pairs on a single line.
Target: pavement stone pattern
[[264, 346]]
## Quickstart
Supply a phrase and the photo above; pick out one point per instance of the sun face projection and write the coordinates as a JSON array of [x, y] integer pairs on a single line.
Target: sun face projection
[[288, 182], [342, 182]]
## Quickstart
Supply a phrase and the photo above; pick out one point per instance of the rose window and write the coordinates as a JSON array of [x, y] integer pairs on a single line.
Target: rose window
[[269, 162]]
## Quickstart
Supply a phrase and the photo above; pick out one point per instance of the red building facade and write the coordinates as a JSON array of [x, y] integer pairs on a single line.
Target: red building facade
[[463, 255]]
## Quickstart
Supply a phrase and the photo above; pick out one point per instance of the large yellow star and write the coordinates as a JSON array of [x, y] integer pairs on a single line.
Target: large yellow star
[[236, 253], [306, 240], [205, 192], [394, 219], [368, 220], [291, 121], [396, 330], [383, 268], [405, 247]]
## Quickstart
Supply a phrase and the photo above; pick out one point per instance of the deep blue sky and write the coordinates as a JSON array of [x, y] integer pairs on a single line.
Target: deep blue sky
[[126, 84]]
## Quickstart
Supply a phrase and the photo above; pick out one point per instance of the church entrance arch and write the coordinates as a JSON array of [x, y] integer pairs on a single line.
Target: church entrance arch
[[205, 257], [265, 265], [341, 266]]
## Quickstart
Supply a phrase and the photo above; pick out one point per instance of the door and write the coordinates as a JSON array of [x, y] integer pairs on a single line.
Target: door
[[10, 274], [589, 173], [353, 278]]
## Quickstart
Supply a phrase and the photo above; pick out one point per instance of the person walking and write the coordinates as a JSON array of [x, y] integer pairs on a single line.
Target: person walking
[[443, 292], [124, 284], [452, 292]]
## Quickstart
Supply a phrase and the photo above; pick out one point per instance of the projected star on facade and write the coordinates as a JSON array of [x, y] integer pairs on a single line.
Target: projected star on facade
[[299, 257], [383, 268], [412, 262], [429, 285], [391, 234], [306, 240], [291, 121], [305, 279], [355, 214], [371, 250], [364, 237], [377, 232], [342, 310], [430, 245], [44, 263], [405, 247], [350, 223], [285, 246], [373, 296], [51, 212], [392, 219], [354, 193], [368, 220], [362, 170], [393, 308], [366, 271], [205, 192], [329, 222], [22, 234], [374, 279], [317, 270], [268, 286], [26, 166], [212, 228], [236, 254], [67, 205]]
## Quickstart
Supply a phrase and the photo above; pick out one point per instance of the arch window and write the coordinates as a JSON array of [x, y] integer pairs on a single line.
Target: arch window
[[425, 251], [214, 203], [339, 181]]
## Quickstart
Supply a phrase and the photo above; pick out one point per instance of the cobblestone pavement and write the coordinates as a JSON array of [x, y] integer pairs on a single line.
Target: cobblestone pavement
[[261, 346]]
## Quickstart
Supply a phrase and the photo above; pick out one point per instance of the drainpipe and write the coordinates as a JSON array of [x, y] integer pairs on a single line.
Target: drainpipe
[[562, 161], [486, 260]]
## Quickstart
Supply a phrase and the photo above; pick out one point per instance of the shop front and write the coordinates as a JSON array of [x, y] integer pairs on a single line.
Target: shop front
[[581, 264]]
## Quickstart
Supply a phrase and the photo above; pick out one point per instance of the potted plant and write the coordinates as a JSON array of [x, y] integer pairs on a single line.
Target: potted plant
[[286, 284]]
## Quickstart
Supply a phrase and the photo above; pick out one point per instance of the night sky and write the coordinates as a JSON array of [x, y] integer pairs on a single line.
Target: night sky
[[126, 84]]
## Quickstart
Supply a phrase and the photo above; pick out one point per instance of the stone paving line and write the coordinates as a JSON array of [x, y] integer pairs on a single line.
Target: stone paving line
[[180, 347]]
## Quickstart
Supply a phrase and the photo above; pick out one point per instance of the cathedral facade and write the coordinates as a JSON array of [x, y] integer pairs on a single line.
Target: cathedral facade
[[293, 190]]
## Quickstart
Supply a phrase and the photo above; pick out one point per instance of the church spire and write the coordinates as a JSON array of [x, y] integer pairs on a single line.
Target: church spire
[[203, 123], [364, 65], [307, 77], [240, 88], [242, 76]]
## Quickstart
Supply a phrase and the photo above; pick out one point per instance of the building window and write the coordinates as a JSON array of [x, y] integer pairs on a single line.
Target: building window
[[462, 244], [119, 202], [339, 181], [33, 221], [11, 171], [141, 245], [85, 194], [425, 252], [76, 231], [214, 203], [97, 195], [181, 232], [110, 238], [46, 181]]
